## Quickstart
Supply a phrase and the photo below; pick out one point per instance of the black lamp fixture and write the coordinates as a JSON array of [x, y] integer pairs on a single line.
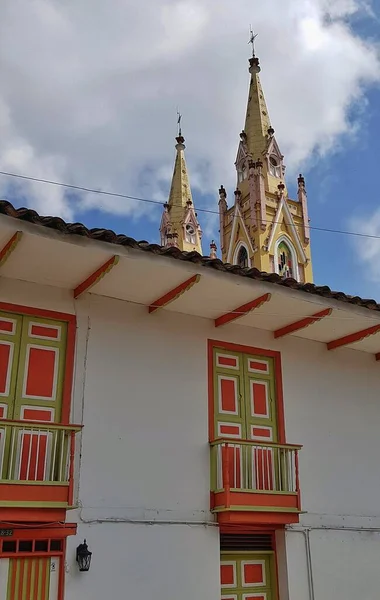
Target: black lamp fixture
[[83, 557]]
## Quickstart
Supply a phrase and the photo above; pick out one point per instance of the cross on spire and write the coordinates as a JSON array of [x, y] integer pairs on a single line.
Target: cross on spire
[[179, 119], [252, 38]]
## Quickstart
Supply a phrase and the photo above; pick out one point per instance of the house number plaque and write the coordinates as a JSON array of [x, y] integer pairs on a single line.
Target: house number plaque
[[6, 532]]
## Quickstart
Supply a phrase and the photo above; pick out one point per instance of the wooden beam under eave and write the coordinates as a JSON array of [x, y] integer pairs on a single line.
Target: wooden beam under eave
[[88, 283], [10, 247], [302, 323], [241, 311], [174, 294], [353, 337]]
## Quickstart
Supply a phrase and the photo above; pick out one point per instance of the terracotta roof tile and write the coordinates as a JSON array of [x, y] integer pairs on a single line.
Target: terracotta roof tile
[[107, 235]]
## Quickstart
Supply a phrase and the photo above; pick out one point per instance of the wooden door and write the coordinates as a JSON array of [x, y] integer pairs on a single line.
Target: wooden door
[[261, 421], [32, 361], [229, 413], [247, 576], [245, 409], [29, 578]]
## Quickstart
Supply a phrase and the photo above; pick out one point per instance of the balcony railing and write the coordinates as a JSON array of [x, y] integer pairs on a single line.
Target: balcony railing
[[36, 463], [254, 476]]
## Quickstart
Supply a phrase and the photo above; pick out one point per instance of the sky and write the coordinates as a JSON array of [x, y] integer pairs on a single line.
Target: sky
[[89, 93]]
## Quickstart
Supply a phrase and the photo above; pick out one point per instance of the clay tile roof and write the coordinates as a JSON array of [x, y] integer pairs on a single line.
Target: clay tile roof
[[107, 235]]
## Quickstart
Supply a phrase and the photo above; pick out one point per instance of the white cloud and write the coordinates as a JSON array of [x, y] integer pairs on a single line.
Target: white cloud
[[89, 90], [368, 248]]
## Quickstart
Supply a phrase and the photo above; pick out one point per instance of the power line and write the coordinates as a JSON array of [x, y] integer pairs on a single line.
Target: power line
[[264, 314], [157, 202]]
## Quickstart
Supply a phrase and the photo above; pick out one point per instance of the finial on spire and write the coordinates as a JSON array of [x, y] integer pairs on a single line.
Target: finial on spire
[[179, 119], [180, 139], [301, 181], [252, 38]]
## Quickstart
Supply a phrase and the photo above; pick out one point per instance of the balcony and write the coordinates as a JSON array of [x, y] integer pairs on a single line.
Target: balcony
[[254, 483], [36, 470]]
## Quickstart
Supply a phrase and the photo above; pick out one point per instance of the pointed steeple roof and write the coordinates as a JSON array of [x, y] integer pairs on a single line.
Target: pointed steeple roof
[[180, 191], [257, 122], [179, 222]]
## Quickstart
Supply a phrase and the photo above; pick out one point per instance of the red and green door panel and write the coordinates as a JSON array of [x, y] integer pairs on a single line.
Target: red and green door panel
[[30, 578], [32, 362], [247, 576], [245, 409]]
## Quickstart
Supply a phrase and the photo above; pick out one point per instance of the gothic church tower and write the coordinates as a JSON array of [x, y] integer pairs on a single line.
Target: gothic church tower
[[264, 228], [179, 223]]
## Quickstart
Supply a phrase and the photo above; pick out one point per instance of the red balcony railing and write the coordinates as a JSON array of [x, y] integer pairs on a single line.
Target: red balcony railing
[[36, 465], [255, 477]]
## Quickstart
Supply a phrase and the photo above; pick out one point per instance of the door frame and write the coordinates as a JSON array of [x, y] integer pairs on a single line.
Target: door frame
[[70, 319], [274, 587], [279, 400], [47, 532]]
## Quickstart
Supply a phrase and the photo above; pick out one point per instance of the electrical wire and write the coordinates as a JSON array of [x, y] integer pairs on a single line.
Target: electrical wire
[[157, 202], [266, 314], [119, 195]]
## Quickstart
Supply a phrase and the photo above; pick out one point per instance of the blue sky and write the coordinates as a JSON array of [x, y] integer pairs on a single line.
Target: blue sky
[[92, 103]]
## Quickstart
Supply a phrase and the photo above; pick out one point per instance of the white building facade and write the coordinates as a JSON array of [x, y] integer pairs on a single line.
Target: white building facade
[[208, 433]]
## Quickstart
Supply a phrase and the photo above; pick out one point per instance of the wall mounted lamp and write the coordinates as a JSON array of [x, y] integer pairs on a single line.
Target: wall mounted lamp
[[83, 557]]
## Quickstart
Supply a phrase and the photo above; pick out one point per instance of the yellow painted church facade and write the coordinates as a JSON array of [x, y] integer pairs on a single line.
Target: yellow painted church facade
[[262, 227]]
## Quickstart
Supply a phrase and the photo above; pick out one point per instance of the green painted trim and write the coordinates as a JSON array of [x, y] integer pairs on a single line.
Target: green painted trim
[[274, 509], [244, 491], [46, 483], [244, 552], [41, 426], [21, 504], [9, 400], [273, 492], [237, 442], [267, 589], [60, 346]]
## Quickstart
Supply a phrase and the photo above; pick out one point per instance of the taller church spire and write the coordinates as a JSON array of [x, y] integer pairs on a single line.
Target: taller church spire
[[179, 222], [264, 228]]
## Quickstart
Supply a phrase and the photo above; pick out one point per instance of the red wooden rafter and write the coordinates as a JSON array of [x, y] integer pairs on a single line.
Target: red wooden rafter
[[242, 310], [9, 247], [96, 276], [173, 294], [297, 325], [353, 337]]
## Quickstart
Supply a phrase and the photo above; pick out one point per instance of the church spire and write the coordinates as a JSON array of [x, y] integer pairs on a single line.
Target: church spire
[[257, 122], [264, 228], [179, 223]]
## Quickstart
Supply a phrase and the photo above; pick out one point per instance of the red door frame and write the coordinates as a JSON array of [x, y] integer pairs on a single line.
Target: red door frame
[[255, 529], [276, 356], [48, 532]]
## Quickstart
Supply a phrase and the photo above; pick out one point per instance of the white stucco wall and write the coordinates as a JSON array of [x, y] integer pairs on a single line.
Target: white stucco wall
[[141, 386]]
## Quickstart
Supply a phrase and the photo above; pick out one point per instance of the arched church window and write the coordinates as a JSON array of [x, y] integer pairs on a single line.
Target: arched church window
[[285, 263], [274, 166], [242, 257], [164, 237], [190, 233], [242, 173]]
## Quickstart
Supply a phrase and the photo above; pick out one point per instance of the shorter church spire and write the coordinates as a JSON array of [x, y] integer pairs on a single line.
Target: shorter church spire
[[179, 220]]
